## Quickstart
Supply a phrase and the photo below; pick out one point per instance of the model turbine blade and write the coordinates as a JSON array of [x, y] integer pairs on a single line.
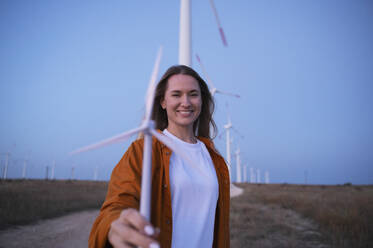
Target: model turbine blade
[[152, 85], [224, 40], [175, 148], [115, 139]]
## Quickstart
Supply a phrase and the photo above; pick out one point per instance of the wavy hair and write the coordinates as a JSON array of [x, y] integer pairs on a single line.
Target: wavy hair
[[201, 127]]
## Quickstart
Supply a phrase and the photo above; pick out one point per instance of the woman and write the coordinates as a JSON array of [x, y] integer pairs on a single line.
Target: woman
[[190, 204]]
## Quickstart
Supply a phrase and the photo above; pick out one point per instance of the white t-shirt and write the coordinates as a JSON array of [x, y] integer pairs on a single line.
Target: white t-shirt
[[194, 195]]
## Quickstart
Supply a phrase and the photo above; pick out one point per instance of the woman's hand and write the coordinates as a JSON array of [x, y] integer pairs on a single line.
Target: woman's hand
[[131, 229]]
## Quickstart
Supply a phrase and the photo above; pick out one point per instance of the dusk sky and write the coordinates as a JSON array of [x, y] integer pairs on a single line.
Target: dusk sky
[[75, 72]]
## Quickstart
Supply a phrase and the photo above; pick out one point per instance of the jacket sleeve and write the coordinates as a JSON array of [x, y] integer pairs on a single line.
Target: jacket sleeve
[[123, 192]]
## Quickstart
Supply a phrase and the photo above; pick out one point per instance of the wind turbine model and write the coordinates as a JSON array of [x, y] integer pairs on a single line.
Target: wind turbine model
[[213, 89], [185, 37], [147, 127]]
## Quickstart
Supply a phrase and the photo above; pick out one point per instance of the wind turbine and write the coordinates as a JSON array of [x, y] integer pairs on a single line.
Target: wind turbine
[[238, 165], [252, 175], [185, 35], [95, 173], [257, 175], [5, 173], [53, 168], [266, 177], [24, 169], [245, 173], [147, 128], [227, 128], [213, 89]]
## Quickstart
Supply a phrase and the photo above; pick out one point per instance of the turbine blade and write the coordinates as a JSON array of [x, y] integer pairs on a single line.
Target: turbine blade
[[175, 148], [221, 32], [227, 93], [151, 88], [209, 82], [109, 141]]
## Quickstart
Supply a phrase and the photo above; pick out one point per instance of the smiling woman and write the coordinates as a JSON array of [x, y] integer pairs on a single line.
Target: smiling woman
[[183, 109]]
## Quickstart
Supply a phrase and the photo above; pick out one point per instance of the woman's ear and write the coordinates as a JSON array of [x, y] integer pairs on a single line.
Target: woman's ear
[[163, 103]]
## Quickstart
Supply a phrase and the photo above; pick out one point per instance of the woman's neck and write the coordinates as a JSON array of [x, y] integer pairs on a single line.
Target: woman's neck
[[185, 134]]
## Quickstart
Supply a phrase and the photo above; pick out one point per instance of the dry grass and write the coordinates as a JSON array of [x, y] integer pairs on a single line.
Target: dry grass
[[25, 201], [264, 216], [343, 213]]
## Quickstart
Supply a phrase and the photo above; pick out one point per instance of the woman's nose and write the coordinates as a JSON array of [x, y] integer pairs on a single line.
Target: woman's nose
[[185, 101]]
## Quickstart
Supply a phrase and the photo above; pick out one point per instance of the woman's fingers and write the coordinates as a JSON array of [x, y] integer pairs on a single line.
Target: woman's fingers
[[131, 229], [134, 218]]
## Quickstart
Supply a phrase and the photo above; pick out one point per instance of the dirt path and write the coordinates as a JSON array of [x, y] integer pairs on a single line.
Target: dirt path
[[68, 231], [252, 225]]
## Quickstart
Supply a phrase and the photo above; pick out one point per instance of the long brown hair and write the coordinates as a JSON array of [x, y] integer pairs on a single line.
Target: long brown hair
[[201, 127]]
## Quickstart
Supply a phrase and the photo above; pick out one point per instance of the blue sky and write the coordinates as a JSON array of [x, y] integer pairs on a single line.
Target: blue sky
[[75, 72]]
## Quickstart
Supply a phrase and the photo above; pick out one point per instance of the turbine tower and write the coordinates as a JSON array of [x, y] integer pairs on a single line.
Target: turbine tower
[[238, 165], [245, 173], [185, 35], [5, 173], [95, 173], [252, 175], [257, 175], [53, 168], [227, 128], [266, 177], [24, 169]]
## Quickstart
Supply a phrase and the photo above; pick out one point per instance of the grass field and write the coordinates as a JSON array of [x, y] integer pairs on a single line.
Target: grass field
[[26, 201], [343, 214]]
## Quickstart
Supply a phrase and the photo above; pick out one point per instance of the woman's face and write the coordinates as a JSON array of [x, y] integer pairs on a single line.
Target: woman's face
[[182, 101]]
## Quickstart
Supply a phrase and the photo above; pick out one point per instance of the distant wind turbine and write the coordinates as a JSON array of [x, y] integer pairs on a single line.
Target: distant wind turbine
[[185, 35], [53, 168], [238, 165], [147, 127], [257, 175], [95, 173], [213, 89], [266, 177], [7, 155], [252, 175], [24, 169]]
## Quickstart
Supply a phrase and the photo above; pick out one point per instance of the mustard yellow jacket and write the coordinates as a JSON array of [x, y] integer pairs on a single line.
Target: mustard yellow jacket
[[124, 192]]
